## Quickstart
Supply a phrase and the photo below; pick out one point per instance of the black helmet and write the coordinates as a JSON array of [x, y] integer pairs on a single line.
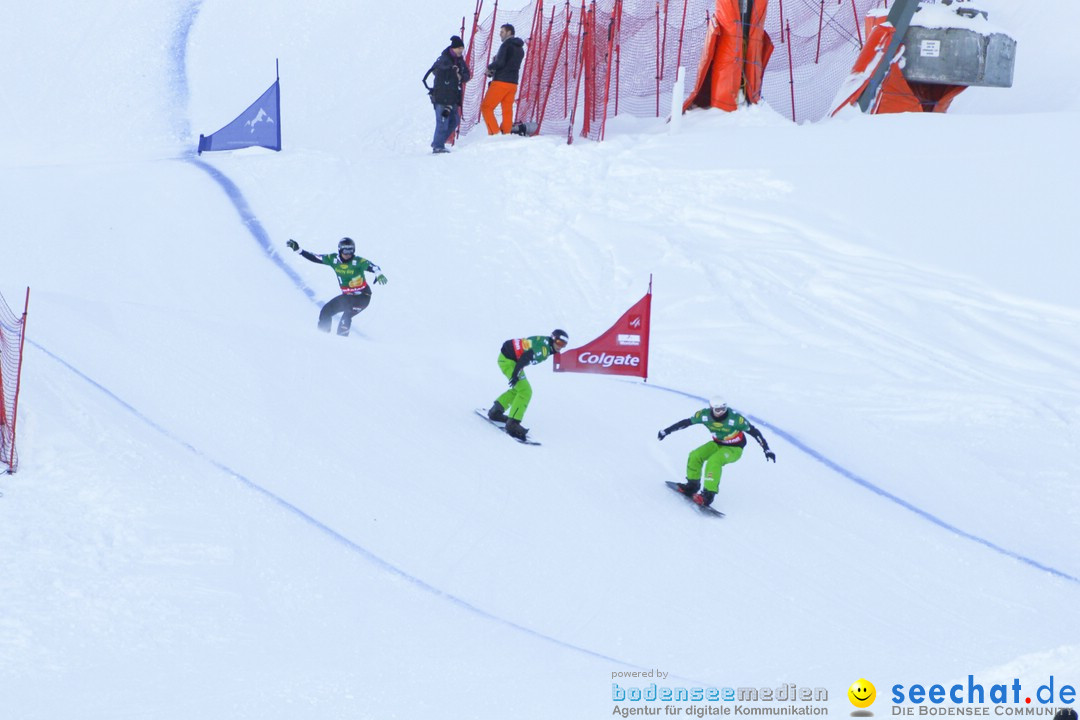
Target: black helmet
[[559, 336], [1065, 714], [346, 245]]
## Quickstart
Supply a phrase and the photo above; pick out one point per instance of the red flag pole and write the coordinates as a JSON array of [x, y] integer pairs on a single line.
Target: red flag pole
[[648, 330]]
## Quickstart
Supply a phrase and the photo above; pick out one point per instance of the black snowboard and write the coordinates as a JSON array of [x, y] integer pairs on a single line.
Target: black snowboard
[[703, 509], [502, 426]]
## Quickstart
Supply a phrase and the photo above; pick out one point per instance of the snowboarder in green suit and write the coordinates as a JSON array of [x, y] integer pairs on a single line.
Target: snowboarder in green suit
[[514, 356], [355, 291], [729, 430]]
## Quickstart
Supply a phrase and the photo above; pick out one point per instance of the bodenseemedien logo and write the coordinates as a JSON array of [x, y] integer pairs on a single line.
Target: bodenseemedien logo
[[862, 694]]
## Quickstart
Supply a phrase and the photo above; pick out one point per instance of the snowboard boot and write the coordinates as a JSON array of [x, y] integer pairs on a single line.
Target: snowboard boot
[[705, 498], [497, 413], [514, 429], [689, 488]]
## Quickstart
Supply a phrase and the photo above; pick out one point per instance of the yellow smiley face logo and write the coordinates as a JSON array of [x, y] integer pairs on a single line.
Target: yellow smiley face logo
[[862, 693]]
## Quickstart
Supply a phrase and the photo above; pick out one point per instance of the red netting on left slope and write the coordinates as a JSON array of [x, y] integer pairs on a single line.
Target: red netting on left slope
[[11, 345]]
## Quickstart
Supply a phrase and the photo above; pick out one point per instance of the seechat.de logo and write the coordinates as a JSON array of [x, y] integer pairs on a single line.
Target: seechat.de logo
[[862, 694]]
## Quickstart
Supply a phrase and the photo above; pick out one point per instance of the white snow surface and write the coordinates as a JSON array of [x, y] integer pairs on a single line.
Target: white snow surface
[[222, 513]]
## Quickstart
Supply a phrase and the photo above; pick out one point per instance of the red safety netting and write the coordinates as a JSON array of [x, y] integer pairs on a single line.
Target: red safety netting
[[12, 338], [587, 62]]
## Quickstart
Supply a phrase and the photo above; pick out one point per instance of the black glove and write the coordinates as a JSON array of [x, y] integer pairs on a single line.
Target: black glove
[[661, 435], [770, 455], [293, 245], [446, 111], [514, 380]]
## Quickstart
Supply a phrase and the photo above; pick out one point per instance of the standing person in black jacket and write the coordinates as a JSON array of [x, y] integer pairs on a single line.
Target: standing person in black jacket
[[451, 73], [504, 72]]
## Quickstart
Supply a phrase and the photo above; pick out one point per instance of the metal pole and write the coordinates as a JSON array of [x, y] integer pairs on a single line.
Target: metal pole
[[900, 18]]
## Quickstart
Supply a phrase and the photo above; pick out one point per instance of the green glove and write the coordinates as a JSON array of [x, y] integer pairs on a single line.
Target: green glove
[[380, 279], [293, 245]]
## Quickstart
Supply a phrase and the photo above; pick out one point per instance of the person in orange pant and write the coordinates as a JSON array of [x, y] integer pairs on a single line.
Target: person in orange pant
[[504, 74]]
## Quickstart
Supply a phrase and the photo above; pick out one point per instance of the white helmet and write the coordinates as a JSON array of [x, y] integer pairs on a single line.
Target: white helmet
[[718, 405]]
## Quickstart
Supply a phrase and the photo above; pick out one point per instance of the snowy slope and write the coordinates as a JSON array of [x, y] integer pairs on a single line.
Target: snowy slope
[[222, 513]]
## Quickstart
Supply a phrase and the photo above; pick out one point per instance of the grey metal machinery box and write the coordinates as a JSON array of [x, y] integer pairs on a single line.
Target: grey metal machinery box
[[958, 56]]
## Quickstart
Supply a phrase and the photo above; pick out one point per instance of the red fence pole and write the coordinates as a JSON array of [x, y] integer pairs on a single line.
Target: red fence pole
[[791, 72], [659, 58], [468, 62], [3, 404], [540, 83], [563, 45], [18, 382], [858, 30], [491, 40], [682, 32], [820, 24], [663, 54], [566, 61], [536, 33], [618, 57], [583, 39], [589, 70], [781, 22], [472, 35]]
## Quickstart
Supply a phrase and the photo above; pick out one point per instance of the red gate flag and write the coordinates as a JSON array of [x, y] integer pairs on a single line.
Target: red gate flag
[[622, 350]]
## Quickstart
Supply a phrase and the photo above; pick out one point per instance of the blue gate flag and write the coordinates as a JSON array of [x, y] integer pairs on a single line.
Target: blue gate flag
[[258, 126]]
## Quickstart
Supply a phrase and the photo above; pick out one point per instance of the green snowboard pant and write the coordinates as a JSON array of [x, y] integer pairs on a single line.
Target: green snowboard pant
[[516, 399], [713, 457]]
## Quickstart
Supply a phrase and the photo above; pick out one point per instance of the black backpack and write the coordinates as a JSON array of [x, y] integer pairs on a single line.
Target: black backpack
[[446, 85]]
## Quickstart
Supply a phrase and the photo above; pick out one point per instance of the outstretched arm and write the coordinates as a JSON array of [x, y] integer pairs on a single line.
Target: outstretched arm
[[295, 247], [756, 434], [672, 428], [375, 270]]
